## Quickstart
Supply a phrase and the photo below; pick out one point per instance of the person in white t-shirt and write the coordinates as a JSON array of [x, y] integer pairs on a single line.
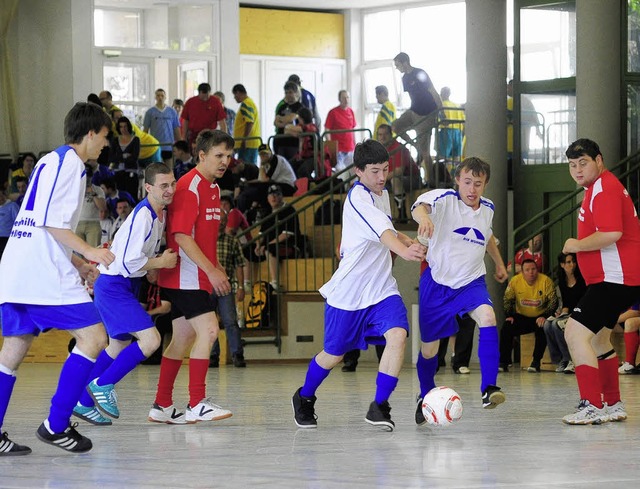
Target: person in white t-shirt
[[371, 312], [39, 256], [116, 296], [458, 225]]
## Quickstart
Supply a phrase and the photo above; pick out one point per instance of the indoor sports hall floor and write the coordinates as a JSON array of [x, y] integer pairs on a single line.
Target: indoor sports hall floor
[[522, 443]]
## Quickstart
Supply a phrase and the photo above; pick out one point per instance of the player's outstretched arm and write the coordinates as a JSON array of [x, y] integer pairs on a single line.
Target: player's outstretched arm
[[421, 215], [494, 252], [71, 240], [414, 252]]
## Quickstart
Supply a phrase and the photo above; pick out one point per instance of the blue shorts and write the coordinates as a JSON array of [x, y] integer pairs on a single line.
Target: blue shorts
[[349, 330], [20, 319], [440, 304], [116, 298]]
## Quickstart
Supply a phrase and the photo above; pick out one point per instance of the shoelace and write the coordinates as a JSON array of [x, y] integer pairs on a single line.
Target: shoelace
[[113, 397]]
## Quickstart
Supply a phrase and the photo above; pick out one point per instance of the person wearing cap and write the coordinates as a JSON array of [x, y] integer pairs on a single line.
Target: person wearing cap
[[203, 112], [273, 169], [247, 125], [279, 233], [308, 100]]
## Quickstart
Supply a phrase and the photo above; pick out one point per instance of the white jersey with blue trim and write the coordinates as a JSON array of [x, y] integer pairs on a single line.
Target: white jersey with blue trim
[[35, 268], [460, 237], [137, 240], [363, 277]]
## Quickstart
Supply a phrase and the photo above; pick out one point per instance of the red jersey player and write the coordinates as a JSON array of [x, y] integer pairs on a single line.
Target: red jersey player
[[607, 250]]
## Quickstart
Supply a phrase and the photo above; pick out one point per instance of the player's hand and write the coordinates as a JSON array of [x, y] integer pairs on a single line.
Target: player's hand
[[509, 320], [415, 252], [103, 256], [540, 322], [220, 283], [501, 274], [425, 227], [169, 258], [89, 273], [571, 246]]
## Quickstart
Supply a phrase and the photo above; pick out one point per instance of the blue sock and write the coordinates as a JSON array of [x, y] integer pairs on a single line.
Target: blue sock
[[489, 355], [127, 360], [102, 363], [74, 378], [6, 388], [315, 376], [426, 368], [385, 385]]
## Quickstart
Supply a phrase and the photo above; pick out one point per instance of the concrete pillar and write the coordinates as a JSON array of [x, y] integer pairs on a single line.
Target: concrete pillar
[[598, 75], [486, 127], [229, 65]]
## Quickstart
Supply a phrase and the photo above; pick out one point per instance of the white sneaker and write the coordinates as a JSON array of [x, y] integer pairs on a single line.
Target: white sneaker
[[464, 370], [571, 368], [587, 413], [206, 410], [626, 368], [617, 412], [169, 415]]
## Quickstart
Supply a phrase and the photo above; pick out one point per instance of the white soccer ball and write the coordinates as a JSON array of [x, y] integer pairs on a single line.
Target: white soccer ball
[[442, 406]]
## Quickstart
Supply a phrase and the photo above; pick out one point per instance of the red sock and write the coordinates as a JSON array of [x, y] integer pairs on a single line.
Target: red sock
[[198, 369], [609, 379], [589, 384], [169, 369], [631, 342]]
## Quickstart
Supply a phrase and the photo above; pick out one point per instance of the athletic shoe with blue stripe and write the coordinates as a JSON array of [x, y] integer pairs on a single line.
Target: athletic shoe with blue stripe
[[91, 415], [105, 398]]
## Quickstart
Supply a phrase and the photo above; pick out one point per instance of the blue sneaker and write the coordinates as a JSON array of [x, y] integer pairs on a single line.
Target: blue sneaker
[[91, 415], [105, 398]]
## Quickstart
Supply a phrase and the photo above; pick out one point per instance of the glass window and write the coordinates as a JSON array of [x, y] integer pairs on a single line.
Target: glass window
[[178, 28], [119, 28], [548, 42], [381, 35], [633, 116], [633, 41], [548, 126], [383, 75], [128, 83]]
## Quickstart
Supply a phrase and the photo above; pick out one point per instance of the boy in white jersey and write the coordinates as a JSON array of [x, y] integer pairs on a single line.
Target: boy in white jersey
[[135, 245], [457, 224], [363, 303], [43, 240]]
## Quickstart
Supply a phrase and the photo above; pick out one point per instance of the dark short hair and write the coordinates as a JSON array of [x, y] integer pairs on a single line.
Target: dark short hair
[[291, 86], [154, 169], [160, 90], [306, 115], [94, 99], [227, 198], [402, 58], [583, 147], [239, 88], [122, 199], [178, 101], [529, 260], [295, 79], [386, 127], [369, 152], [82, 118], [23, 157], [127, 122], [182, 145], [204, 87], [382, 90], [108, 182], [476, 166], [209, 138]]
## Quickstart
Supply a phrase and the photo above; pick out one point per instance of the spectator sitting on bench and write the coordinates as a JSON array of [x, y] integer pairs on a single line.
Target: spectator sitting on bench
[[113, 195], [529, 299]]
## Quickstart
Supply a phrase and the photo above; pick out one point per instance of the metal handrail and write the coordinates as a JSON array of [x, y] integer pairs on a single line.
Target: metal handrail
[[513, 245]]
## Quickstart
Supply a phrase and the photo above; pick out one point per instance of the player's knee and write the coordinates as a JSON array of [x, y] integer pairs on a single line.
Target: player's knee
[[396, 337], [149, 343]]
